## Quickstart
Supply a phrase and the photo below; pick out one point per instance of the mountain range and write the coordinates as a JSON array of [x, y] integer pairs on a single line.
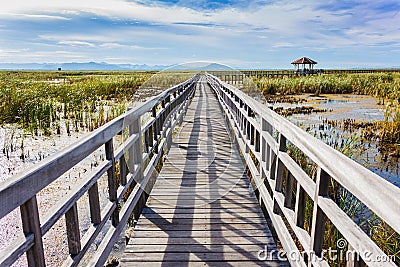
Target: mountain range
[[108, 66]]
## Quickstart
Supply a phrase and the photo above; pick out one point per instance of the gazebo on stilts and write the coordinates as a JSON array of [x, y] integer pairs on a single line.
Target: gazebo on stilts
[[300, 66]]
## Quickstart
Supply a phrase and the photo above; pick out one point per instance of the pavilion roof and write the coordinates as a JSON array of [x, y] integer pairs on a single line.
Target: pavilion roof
[[304, 60]]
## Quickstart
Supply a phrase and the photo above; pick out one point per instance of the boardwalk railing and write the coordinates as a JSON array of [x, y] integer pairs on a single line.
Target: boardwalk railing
[[237, 77], [144, 148], [263, 138]]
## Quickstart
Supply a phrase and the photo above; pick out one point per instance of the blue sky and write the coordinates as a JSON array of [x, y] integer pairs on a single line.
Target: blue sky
[[253, 33]]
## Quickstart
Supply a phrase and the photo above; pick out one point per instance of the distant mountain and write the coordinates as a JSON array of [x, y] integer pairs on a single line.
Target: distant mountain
[[200, 66], [107, 66], [78, 66]]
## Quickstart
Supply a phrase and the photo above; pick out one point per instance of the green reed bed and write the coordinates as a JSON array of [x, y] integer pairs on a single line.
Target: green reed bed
[[384, 86], [43, 101]]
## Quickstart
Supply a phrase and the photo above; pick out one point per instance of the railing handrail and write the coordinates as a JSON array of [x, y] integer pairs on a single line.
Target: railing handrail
[[145, 146], [255, 135], [381, 196]]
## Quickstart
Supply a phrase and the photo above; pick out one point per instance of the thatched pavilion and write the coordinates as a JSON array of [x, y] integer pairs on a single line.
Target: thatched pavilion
[[303, 62]]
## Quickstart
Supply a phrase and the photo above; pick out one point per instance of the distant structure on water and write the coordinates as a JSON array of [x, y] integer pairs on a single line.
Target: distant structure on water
[[300, 66]]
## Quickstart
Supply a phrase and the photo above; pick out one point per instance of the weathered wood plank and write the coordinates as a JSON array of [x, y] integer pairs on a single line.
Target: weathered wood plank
[[234, 209], [196, 214], [195, 248], [192, 256], [194, 221], [200, 205], [209, 263], [252, 236]]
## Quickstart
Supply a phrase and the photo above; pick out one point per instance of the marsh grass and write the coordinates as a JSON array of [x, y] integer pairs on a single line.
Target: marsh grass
[[384, 86], [52, 102]]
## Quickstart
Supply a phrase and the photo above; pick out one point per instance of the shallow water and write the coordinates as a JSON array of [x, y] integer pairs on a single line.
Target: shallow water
[[360, 108]]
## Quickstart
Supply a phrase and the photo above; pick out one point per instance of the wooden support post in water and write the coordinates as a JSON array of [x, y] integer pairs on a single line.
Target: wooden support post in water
[[31, 225], [112, 181]]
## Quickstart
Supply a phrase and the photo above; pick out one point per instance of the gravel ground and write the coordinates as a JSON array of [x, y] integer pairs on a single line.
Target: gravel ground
[[55, 241]]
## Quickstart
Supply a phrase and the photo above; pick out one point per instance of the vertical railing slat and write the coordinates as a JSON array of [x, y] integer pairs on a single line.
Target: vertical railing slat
[[137, 159], [288, 191], [300, 206], [31, 224], [319, 218], [112, 180], [73, 233], [353, 258], [94, 204], [122, 170]]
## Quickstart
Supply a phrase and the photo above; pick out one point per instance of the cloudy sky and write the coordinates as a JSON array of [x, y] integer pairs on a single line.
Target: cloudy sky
[[244, 33]]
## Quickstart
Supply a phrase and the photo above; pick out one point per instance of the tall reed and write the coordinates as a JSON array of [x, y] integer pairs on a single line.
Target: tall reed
[[384, 86], [42, 102]]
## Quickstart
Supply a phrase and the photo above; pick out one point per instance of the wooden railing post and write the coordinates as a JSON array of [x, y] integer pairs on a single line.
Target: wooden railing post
[[279, 169], [300, 206], [112, 181], [31, 225], [257, 140], [147, 138], [319, 218], [155, 129], [263, 151], [277, 164], [288, 191], [94, 204], [353, 258], [136, 156], [252, 134], [122, 170], [73, 233]]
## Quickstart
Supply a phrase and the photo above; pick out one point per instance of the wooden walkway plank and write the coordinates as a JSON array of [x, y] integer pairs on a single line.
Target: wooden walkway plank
[[202, 210]]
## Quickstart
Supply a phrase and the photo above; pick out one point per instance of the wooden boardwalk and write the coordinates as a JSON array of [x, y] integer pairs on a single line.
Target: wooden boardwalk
[[202, 210]]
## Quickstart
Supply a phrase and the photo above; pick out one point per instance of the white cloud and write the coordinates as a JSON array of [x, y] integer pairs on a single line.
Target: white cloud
[[57, 56], [135, 47], [77, 43], [32, 16], [290, 19], [142, 29]]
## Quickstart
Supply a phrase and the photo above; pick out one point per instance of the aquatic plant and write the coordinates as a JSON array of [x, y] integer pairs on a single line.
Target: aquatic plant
[[48, 102], [384, 86]]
